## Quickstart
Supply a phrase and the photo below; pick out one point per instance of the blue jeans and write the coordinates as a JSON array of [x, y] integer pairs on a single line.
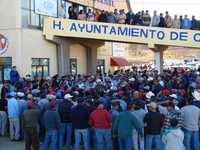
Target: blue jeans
[[191, 137], [103, 139], [156, 139], [68, 128], [86, 139], [50, 139], [126, 143]]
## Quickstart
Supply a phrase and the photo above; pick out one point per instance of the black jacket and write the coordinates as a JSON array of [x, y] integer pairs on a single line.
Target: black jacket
[[64, 109]]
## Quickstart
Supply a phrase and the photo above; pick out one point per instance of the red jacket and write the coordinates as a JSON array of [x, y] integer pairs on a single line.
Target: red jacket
[[100, 119]]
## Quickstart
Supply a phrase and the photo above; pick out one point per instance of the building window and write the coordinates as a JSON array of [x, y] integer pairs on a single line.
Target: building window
[[5, 68], [73, 65], [40, 67], [31, 19]]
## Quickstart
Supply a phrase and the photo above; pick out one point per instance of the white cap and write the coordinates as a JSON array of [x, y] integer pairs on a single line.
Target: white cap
[[132, 79], [149, 95], [50, 97], [150, 79], [20, 94], [196, 95], [98, 80], [173, 96], [67, 96]]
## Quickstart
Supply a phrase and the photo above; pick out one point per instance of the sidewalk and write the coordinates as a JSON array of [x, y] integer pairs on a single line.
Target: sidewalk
[[6, 144]]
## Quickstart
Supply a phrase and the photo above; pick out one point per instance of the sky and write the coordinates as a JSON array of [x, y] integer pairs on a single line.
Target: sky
[[179, 7]]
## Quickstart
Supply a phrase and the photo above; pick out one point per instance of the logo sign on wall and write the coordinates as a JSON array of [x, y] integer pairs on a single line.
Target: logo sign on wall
[[3, 44], [46, 7]]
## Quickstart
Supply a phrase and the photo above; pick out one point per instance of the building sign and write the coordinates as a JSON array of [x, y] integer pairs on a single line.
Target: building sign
[[46, 7], [118, 49], [107, 2], [121, 33], [3, 44]]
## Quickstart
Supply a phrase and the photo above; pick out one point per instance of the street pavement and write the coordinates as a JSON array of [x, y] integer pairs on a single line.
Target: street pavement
[[6, 144]]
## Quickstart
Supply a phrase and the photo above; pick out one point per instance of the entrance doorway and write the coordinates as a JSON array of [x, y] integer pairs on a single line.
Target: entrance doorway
[[100, 66], [73, 65], [5, 68]]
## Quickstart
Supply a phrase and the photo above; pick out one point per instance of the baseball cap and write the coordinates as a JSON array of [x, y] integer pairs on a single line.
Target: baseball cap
[[152, 105], [67, 96]]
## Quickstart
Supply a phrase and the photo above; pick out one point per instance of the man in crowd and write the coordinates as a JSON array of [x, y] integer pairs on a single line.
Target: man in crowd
[[14, 75], [64, 109], [153, 125], [124, 125], [115, 110], [100, 120], [51, 120], [80, 118], [191, 118], [139, 113], [3, 116], [30, 123], [13, 115], [173, 113]]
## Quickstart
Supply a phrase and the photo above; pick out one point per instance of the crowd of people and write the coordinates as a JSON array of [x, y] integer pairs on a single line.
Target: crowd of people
[[134, 109], [140, 18]]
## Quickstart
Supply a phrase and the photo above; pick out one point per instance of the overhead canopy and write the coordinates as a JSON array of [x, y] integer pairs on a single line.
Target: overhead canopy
[[118, 62]]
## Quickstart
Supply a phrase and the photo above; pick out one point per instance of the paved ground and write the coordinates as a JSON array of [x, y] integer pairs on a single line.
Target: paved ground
[[6, 144]]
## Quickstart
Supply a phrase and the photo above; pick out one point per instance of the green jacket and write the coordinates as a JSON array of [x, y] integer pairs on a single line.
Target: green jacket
[[125, 123]]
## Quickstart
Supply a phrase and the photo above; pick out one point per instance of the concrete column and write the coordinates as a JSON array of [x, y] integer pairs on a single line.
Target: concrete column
[[158, 56], [158, 61], [91, 59], [63, 57]]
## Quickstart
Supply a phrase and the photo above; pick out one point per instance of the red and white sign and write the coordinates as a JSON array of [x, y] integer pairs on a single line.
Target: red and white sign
[[3, 44]]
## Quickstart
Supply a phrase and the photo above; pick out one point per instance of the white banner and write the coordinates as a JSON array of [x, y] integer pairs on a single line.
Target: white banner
[[46, 7]]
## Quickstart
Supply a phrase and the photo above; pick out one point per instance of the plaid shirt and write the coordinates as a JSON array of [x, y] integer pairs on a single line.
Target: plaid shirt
[[173, 114]]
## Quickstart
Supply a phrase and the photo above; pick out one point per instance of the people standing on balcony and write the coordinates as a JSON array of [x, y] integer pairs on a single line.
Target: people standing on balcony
[[129, 17], [111, 18], [186, 23], [146, 18], [194, 23], [181, 21], [96, 14], [81, 15], [137, 19], [162, 23], [72, 13], [90, 15], [168, 20], [103, 16], [155, 19], [176, 22], [121, 17], [116, 13]]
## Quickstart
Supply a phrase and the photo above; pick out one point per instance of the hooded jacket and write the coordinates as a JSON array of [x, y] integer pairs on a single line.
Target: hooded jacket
[[173, 139]]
